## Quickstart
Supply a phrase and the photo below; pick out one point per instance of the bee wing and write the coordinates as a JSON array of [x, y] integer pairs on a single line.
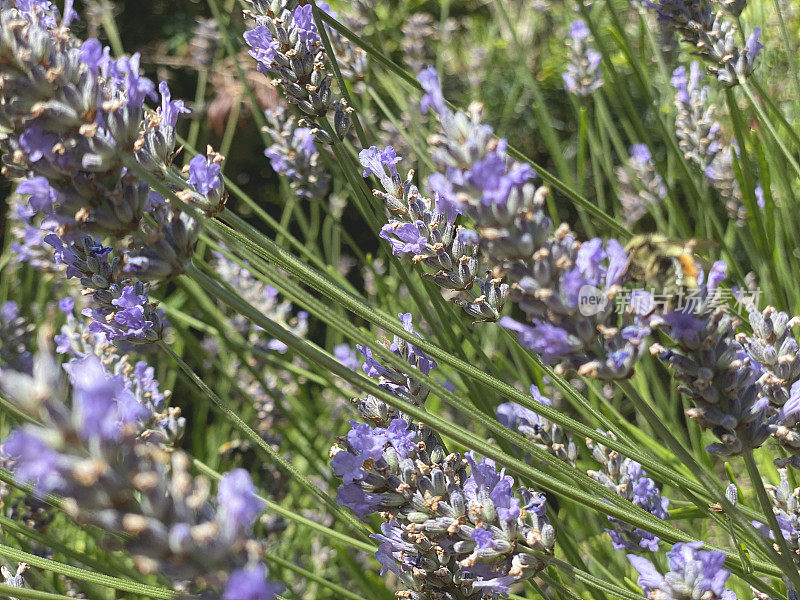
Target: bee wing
[[700, 245]]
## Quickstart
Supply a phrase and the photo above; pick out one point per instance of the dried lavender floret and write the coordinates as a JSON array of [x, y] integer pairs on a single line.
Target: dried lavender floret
[[14, 579]]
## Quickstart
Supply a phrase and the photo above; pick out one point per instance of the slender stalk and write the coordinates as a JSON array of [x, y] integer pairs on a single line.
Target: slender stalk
[[84, 575], [305, 574]]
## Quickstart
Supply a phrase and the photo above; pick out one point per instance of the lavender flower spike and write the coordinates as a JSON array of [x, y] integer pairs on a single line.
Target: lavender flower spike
[[712, 36], [295, 156], [641, 187], [424, 230], [628, 480], [549, 271], [546, 435], [583, 74], [287, 46], [91, 451], [454, 525], [693, 573]]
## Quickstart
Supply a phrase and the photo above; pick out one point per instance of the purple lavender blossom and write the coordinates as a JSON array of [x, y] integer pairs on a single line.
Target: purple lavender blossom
[[103, 403], [263, 47], [305, 27], [641, 186], [204, 174], [116, 477], [286, 44], [691, 570], [582, 76], [405, 238], [295, 155], [711, 35], [546, 435], [42, 195], [236, 496], [474, 518], [250, 583], [376, 161], [346, 355], [433, 97], [35, 461]]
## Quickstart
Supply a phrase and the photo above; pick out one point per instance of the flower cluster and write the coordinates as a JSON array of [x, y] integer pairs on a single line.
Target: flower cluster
[[715, 371], [400, 383], [90, 452], [775, 350], [165, 425], [583, 74], [120, 308], [786, 507], [74, 129], [641, 186], [712, 36], [294, 155], [452, 525], [628, 480], [261, 382], [701, 139], [424, 230], [287, 46], [27, 235], [693, 573], [15, 338], [545, 435], [420, 31], [266, 300], [565, 288]]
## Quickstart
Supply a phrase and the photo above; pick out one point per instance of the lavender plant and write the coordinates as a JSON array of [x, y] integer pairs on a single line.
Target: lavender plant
[[712, 36], [207, 320], [583, 75], [445, 533], [89, 451], [641, 187]]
